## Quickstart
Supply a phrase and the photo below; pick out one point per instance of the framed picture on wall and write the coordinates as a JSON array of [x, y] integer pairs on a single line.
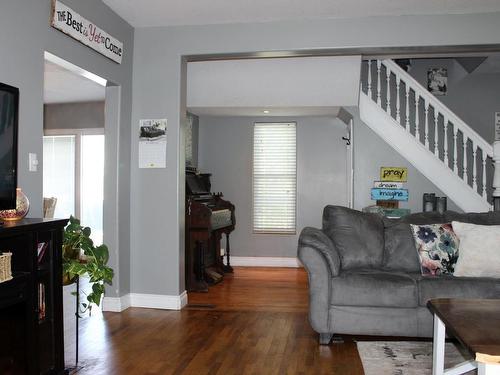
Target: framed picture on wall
[[437, 81]]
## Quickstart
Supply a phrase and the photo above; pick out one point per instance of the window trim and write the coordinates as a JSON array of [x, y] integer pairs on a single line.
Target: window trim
[[269, 231]]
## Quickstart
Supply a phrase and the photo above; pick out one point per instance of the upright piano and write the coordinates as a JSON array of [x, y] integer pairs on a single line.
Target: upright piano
[[208, 217]]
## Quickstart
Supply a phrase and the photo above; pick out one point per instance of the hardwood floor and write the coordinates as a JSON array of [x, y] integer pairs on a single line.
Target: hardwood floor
[[255, 322]]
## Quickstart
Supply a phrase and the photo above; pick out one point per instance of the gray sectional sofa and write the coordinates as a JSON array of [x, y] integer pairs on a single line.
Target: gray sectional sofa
[[365, 279]]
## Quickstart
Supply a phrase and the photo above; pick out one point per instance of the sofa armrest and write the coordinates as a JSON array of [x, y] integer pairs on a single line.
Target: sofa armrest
[[320, 259], [317, 239]]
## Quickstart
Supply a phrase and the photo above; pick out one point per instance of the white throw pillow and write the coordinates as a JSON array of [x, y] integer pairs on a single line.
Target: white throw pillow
[[479, 250]]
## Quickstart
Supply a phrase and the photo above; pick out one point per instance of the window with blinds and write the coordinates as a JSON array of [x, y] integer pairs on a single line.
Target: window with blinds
[[274, 177]]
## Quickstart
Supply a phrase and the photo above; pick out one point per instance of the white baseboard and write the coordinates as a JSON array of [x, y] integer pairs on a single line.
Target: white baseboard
[[151, 301], [265, 262]]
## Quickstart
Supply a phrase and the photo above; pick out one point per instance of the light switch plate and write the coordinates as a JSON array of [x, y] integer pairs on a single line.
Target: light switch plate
[[32, 162]]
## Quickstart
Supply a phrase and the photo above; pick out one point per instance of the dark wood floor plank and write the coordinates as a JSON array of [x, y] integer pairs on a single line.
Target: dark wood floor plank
[[255, 324]]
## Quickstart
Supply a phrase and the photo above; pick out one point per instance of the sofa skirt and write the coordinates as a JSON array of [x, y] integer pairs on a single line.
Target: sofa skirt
[[381, 321]]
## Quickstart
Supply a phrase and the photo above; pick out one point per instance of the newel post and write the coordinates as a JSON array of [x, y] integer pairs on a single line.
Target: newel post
[[496, 176]]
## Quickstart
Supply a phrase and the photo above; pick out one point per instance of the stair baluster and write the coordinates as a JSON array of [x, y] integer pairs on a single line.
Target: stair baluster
[[379, 100], [388, 91], [465, 175], [436, 134], [369, 87], [484, 157], [455, 150], [474, 167], [407, 106], [398, 104], [417, 125], [426, 104], [445, 141]]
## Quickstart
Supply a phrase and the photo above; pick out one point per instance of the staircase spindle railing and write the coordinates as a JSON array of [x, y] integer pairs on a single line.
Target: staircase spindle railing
[[442, 140]]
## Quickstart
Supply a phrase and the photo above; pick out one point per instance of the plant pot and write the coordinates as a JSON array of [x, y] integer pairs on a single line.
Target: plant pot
[[69, 253], [67, 280]]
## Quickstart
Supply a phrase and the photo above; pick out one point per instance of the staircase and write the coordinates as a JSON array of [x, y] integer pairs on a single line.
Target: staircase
[[428, 134]]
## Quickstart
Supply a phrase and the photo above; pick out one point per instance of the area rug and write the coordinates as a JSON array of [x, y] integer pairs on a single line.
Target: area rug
[[405, 357]]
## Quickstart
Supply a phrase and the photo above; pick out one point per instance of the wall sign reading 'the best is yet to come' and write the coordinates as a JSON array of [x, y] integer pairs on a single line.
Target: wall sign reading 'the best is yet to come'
[[68, 21]]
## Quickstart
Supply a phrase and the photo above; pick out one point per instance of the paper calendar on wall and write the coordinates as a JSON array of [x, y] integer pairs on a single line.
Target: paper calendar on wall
[[153, 143]]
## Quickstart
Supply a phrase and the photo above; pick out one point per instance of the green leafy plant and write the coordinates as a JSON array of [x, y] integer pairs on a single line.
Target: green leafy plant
[[82, 258]]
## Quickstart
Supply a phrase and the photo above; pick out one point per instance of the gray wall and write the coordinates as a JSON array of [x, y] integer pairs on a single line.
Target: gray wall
[[226, 151], [82, 115], [24, 36], [370, 153], [157, 237], [473, 97]]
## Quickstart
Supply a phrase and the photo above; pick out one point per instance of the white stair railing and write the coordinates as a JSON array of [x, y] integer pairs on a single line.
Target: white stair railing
[[459, 147]]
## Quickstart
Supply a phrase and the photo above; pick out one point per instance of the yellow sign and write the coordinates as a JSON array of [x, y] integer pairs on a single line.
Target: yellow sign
[[394, 174]]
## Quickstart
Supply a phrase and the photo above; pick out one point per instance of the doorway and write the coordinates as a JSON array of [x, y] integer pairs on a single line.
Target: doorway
[[301, 132]]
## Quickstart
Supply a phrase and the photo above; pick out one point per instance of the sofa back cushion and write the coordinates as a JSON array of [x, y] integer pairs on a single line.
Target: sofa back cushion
[[479, 218], [357, 236], [400, 253]]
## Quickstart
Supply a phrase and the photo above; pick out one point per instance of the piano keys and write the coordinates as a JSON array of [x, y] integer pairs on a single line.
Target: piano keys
[[208, 217]]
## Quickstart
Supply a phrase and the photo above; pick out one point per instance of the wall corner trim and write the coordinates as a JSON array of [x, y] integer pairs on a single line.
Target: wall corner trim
[[150, 301], [116, 304], [266, 262]]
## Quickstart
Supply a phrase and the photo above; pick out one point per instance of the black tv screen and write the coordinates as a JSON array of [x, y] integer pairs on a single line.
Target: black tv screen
[[9, 102]]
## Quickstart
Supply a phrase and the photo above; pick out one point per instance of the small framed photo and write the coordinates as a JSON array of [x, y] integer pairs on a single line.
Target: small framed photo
[[437, 81]]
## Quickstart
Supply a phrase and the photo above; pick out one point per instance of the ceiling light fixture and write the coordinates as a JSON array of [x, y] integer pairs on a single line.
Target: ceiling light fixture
[[266, 111]]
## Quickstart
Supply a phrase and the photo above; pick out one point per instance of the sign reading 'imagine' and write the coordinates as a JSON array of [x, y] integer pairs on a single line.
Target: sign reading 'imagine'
[[71, 23]]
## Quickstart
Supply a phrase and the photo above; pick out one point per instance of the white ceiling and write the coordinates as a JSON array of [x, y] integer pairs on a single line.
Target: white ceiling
[[146, 13], [64, 86], [259, 111]]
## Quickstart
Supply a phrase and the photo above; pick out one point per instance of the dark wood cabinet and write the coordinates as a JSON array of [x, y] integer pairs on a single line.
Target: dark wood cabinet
[[31, 315]]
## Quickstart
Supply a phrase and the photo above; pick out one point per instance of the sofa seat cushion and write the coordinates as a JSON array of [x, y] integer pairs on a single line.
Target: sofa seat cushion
[[374, 288], [430, 287]]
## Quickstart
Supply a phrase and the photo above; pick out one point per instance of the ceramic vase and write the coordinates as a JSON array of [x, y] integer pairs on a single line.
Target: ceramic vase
[[21, 210]]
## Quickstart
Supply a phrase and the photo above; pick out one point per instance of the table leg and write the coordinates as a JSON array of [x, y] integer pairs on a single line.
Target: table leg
[[488, 369], [438, 347]]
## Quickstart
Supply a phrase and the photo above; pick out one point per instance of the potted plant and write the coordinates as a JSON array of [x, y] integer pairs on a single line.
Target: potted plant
[[82, 258]]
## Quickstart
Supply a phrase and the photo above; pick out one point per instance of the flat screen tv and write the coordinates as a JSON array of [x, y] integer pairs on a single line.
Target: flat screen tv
[[9, 102]]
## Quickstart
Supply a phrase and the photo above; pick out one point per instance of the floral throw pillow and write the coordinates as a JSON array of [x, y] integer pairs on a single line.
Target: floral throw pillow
[[437, 247]]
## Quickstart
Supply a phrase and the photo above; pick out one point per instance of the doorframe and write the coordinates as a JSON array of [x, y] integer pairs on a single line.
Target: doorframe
[[112, 116]]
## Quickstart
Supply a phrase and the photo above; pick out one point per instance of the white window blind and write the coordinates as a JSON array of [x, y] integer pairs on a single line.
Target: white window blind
[[274, 177]]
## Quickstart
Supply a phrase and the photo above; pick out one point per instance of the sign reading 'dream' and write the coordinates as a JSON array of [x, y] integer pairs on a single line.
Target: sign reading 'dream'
[[387, 185], [71, 23], [394, 174]]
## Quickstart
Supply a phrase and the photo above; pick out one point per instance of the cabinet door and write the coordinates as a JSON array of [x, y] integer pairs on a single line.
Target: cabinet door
[[16, 308], [49, 301]]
